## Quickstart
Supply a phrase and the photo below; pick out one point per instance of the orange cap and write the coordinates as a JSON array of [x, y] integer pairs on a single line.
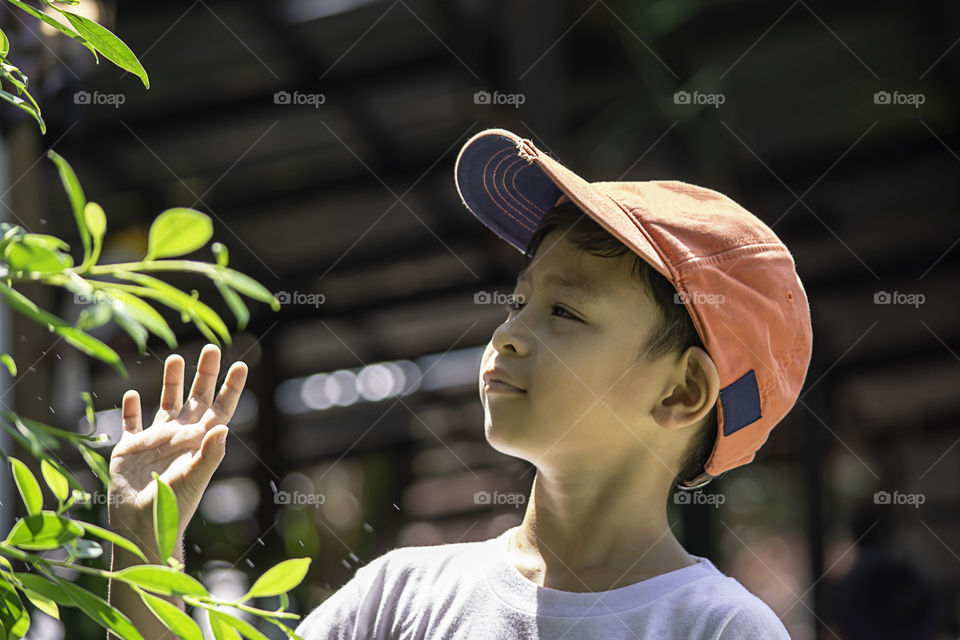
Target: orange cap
[[736, 278]]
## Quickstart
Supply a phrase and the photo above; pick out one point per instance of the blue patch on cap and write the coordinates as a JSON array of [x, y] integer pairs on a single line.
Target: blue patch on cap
[[740, 402]]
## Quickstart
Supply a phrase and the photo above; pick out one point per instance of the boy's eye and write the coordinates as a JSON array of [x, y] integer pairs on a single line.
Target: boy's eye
[[515, 306]]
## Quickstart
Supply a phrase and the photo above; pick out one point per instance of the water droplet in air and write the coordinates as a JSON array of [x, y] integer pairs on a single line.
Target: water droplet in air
[[262, 543], [367, 527], [354, 557], [250, 563], [345, 563]]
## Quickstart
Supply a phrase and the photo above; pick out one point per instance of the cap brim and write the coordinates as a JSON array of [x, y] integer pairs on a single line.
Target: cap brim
[[509, 185]]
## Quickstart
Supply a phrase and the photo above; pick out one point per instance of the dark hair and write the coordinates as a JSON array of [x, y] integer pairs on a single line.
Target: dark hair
[[673, 333]]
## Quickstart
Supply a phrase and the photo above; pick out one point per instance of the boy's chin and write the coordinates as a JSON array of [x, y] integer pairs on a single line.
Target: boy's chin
[[511, 444]]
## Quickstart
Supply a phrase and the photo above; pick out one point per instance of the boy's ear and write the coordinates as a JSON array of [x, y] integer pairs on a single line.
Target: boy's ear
[[688, 401]]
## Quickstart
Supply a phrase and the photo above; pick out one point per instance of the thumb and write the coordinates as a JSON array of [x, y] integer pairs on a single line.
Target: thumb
[[212, 450]]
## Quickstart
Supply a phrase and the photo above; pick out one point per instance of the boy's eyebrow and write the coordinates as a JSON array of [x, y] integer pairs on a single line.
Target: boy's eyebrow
[[564, 281]]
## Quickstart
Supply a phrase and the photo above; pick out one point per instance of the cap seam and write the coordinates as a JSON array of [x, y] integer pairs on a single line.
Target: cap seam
[[734, 252]]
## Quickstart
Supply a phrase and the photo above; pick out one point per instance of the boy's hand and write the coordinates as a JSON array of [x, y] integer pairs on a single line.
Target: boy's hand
[[182, 445]]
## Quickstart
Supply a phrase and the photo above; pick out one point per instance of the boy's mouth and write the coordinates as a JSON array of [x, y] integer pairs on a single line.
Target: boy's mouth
[[495, 380]]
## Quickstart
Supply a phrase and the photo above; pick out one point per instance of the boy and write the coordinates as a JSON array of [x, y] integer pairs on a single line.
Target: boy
[[659, 334]]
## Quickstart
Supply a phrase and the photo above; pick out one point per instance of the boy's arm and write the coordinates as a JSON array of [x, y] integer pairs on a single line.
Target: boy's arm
[[125, 599]]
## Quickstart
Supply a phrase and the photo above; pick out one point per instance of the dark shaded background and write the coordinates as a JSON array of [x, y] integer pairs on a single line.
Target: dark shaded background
[[352, 197]]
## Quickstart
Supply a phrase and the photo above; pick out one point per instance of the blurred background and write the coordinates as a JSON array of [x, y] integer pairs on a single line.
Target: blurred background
[[321, 135]]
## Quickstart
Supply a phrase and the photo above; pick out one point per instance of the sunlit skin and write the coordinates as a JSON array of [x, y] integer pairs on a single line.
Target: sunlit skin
[[605, 433]]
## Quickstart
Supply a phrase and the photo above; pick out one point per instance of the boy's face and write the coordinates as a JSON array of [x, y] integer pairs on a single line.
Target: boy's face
[[587, 401]]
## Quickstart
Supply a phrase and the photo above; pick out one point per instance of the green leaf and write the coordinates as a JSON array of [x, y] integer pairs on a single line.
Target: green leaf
[[173, 617], [249, 287], [46, 588], [112, 47], [100, 611], [46, 605], [96, 221], [163, 580], [165, 518], [9, 363], [117, 540], [201, 314], [43, 531], [86, 343], [86, 549], [178, 231], [143, 313], [56, 24], [14, 619], [28, 486], [96, 463], [58, 484], [94, 315], [75, 194], [30, 107], [246, 629], [133, 328], [222, 630], [4, 44], [236, 305], [20, 256], [279, 578], [220, 253], [89, 411]]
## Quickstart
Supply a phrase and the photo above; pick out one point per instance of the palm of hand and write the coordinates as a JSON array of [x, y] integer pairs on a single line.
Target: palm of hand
[[181, 445]]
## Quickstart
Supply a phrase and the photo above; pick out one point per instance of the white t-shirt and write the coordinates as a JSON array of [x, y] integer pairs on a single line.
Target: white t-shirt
[[472, 591]]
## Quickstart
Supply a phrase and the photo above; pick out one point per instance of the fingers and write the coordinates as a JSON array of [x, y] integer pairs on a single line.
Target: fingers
[[132, 420], [171, 398], [226, 402], [208, 368]]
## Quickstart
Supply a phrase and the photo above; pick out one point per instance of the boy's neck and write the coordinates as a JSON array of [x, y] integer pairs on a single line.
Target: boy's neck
[[583, 537]]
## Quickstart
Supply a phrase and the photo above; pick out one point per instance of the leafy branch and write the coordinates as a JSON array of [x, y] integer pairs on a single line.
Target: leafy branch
[[45, 530], [91, 35]]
